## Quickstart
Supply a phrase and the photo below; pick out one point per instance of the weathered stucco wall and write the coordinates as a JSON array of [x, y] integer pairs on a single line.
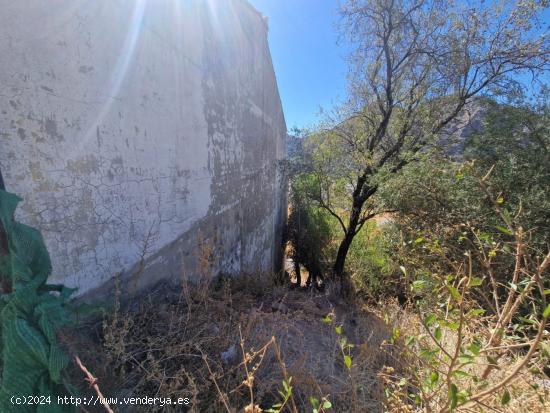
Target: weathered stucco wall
[[140, 127]]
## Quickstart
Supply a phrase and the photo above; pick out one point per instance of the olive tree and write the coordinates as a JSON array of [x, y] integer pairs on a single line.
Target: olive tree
[[415, 66]]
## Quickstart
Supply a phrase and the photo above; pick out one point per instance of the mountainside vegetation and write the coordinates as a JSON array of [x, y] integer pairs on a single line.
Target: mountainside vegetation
[[448, 217], [462, 243], [416, 65]]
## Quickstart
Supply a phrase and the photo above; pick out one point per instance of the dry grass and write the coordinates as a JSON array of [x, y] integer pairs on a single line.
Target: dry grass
[[186, 343], [229, 344]]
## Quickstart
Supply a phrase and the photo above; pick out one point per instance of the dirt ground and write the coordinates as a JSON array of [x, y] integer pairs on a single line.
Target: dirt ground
[[191, 342]]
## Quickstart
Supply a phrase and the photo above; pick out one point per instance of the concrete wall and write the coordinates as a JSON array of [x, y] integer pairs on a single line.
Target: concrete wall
[[137, 129]]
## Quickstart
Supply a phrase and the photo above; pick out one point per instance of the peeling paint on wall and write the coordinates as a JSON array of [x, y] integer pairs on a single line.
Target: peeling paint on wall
[[131, 120]]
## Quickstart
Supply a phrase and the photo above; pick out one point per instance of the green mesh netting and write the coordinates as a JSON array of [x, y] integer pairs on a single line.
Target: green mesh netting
[[32, 360]]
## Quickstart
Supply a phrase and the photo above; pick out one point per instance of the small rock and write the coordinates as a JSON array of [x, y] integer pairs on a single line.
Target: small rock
[[230, 355]]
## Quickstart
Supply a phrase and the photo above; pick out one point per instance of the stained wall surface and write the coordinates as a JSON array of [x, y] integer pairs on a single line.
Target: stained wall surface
[[137, 131]]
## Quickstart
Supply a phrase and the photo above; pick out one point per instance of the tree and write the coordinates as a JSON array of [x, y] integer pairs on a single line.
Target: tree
[[306, 235], [515, 143], [416, 65]]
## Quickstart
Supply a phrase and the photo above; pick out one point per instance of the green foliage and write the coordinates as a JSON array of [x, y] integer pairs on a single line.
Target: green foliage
[[316, 222], [308, 229], [30, 315], [443, 209], [472, 231], [345, 346], [285, 394], [433, 193], [516, 143], [460, 345], [369, 262], [319, 406], [468, 330]]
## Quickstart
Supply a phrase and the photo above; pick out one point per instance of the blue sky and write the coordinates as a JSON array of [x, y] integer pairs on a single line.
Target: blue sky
[[310, 66]]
